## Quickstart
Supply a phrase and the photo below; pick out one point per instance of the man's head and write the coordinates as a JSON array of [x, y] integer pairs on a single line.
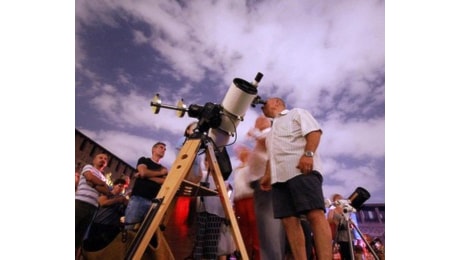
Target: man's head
[[273, 107], [158, 150], [118, 186], [189, 130], [335, 197], [100, 161]]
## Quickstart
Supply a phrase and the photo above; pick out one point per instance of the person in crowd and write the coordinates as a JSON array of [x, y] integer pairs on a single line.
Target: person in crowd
[[243, 203], [294, 174], [338, 224], [149, 178], [195, 172], [194, 176], [106, 224], [378, 247], [92, 183], [213, 238], [77, 179], [364, 252], [271, 233]]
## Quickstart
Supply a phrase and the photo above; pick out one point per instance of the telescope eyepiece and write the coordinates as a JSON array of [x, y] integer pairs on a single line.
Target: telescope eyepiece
[[258, 100]]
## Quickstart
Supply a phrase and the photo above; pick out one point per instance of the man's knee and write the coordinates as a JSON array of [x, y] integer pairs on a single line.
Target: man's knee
[[316, 215]]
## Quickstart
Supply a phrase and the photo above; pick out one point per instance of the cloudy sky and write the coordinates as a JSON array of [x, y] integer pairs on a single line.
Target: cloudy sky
[[324, 56], [59, 57]]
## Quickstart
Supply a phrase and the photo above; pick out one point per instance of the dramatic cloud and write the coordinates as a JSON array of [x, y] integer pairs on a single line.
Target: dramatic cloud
[[327, 57]]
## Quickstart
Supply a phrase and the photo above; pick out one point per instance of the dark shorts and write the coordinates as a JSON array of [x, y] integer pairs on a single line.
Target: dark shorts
[[298, 195]]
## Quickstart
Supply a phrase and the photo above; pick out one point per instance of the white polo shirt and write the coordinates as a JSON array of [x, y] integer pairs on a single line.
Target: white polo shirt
[[286, 143]]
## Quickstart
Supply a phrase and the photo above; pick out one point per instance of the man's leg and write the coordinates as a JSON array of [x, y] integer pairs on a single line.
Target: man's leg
[[321, 233], [135, 211], [296, 237]]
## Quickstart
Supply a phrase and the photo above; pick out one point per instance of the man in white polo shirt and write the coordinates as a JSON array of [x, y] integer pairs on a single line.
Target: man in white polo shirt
[[293, 175]]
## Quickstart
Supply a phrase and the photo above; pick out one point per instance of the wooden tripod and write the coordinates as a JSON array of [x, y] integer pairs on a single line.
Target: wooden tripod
[[169, 188]]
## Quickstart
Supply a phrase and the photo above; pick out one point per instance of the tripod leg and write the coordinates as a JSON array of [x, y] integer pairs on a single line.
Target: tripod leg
[[219, 181], [350, 241], [335, 239], [179, 170], [365, 241]]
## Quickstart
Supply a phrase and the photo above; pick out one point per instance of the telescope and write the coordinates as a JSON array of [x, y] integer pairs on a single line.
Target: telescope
[[358, 197], [219, 121], [216, 123], [354, 201]]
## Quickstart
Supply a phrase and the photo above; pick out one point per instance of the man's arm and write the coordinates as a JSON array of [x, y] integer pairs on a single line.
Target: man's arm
[[153, 175], [97, 183], [104, 200], [312, 141], [265, 181]]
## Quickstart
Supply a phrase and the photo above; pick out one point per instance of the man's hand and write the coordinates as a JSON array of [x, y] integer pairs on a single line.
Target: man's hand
[[104, 189], [305, 164], [123, 199], [163, 172], [265, 183], [266, 180]]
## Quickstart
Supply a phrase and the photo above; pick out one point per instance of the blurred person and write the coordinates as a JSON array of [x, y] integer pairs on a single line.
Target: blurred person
[[195, 173], [243, 203], [107, 224], [272, 241], [362, 251], [294, 174], [92, 183], [213, 239], [378, 247], [367, 253], [339, 231], [149, 178]]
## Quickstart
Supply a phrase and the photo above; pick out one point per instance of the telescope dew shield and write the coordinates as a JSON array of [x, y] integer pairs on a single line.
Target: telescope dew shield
[[358, 197], [235, 104]]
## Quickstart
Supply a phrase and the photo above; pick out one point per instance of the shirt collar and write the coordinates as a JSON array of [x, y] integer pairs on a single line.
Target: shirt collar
[[283, 113], [266, 130]]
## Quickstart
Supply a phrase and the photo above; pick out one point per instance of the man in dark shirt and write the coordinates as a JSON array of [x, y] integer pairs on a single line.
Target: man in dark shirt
[[151, 174]]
